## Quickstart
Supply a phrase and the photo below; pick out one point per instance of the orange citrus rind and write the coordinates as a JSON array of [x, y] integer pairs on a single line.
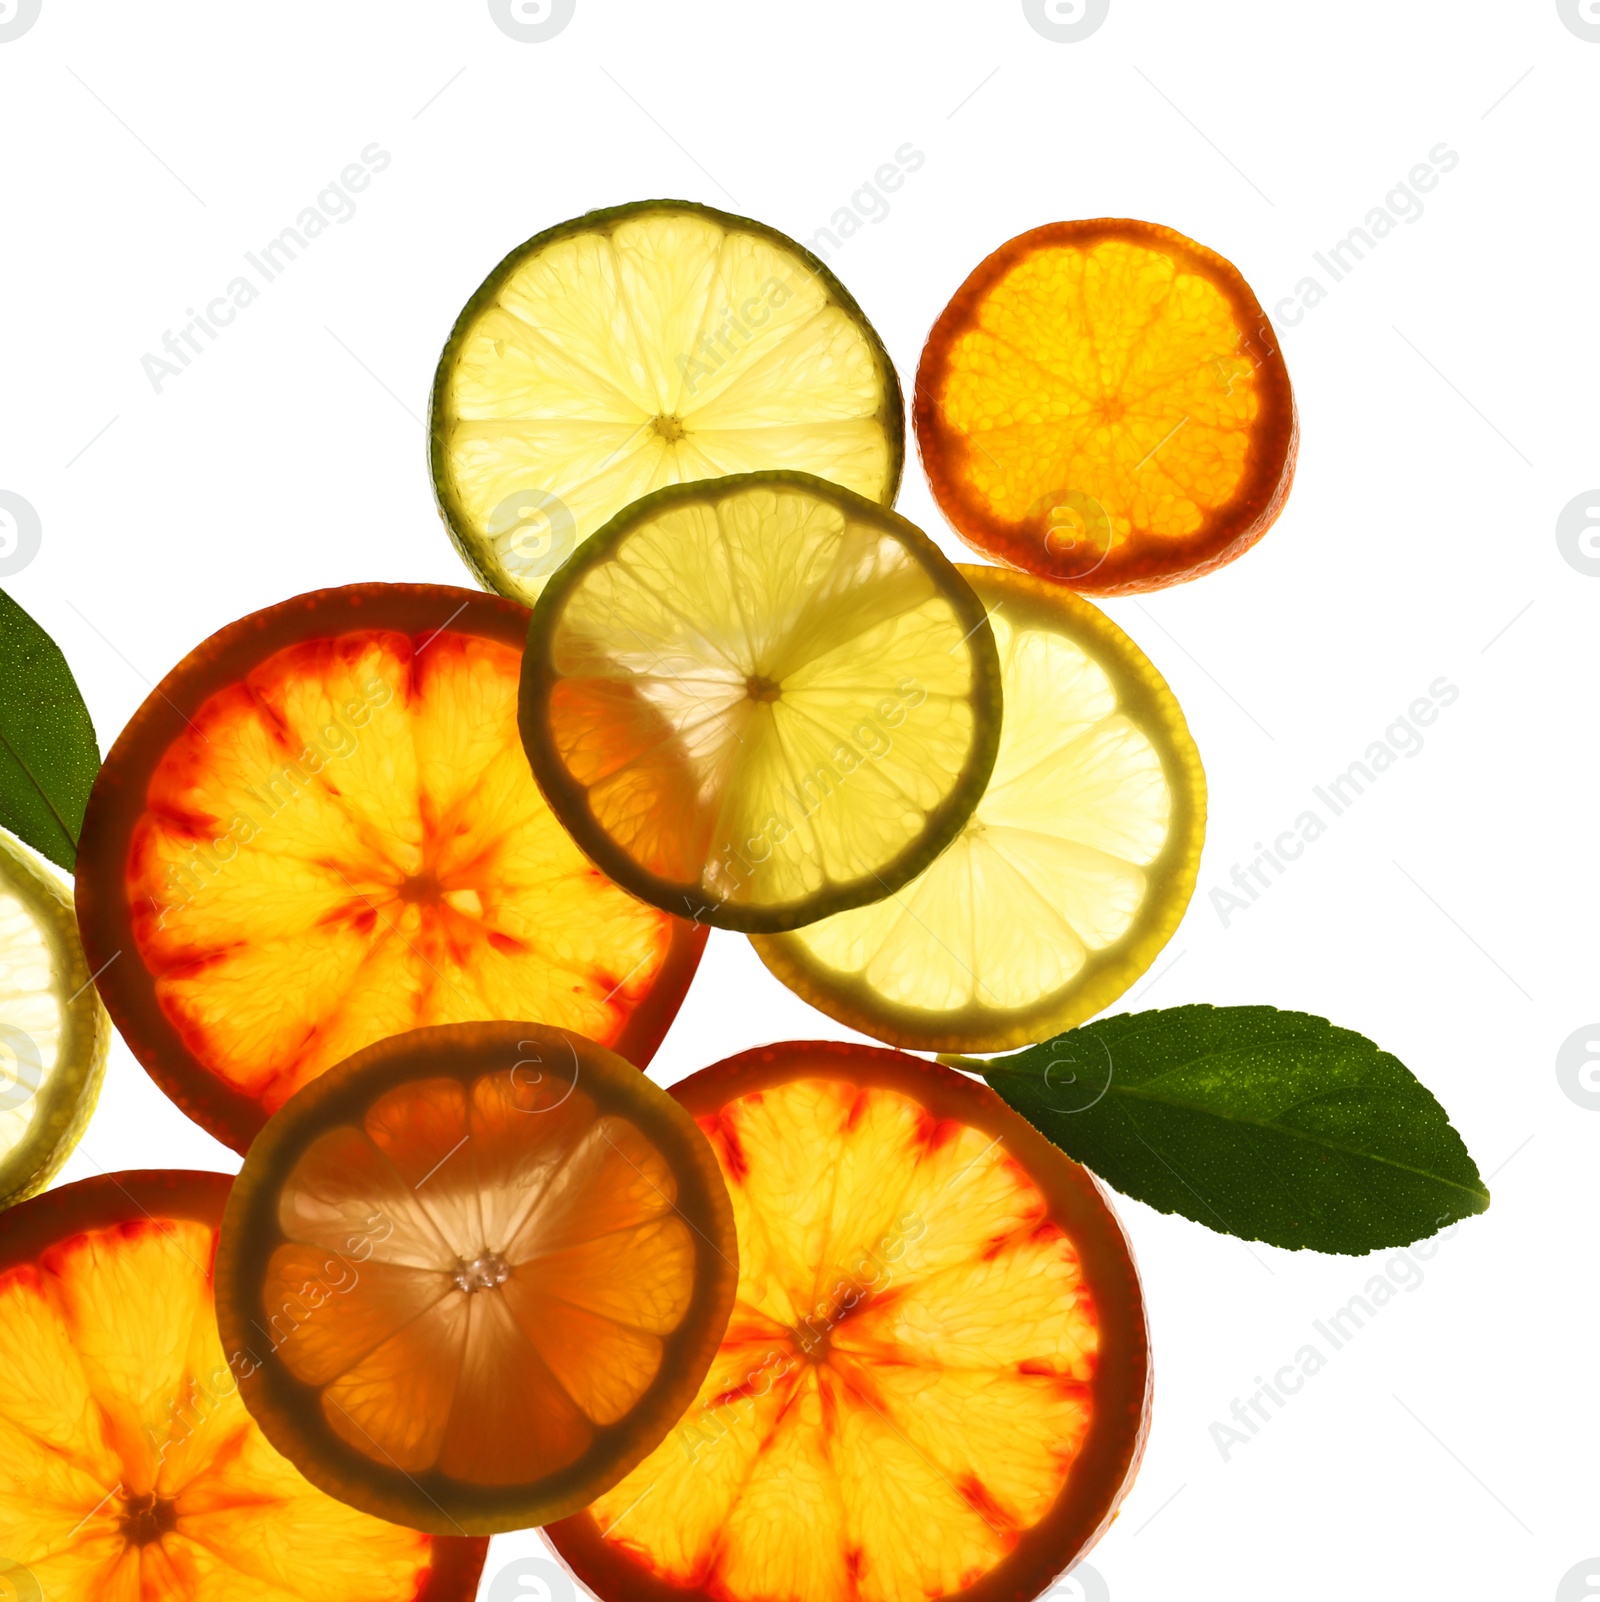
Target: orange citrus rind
[[129, 1468], [320, 830], [475, 1274], [1104, 403], [935, 1380]]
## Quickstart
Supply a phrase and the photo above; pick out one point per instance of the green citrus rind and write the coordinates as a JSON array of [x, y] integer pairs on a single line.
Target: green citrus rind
[[568, 798], [467, 538]]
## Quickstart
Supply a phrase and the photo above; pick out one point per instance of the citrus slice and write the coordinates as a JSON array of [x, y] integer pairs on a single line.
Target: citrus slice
[[320, 830], [54, 1034], [129, 1468], [761, 699], [936, 1375], [651, 344], [479, 1272], [1070, 875], [1105, 403]]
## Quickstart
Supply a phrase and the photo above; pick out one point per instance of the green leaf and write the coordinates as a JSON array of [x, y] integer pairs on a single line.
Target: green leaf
[[48, 755], [1269, 1125]]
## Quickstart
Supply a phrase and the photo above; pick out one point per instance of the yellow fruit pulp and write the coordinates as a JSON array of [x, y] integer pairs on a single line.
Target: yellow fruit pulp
[[517, 1272], [1069, 876], [904, 1382], [1108, 371], [347, 844], [651, 349], [129, 1468]]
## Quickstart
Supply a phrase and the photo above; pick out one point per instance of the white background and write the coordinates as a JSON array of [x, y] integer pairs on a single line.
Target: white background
[[1448, 1449]]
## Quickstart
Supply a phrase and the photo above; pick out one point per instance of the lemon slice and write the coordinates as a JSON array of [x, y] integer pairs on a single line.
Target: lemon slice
[[760, 700], [54, 1034], [1072, 872], [651, 344]]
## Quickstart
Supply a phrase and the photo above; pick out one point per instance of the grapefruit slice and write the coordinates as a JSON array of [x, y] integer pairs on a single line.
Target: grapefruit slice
[[320, 830], [1105, 403], [758, 700], [936, 1376], [129, 1468], [54, 1034], [650, 344], [1069, 877], [477, 1272]]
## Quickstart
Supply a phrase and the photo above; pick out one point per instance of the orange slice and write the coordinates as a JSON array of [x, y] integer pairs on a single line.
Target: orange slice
[[476, 1274], [1104, 403], [936, 1375], [129, 1468], [320, 830]]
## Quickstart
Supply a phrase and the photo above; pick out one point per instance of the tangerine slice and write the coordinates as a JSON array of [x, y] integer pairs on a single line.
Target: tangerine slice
[[129, 1468], [477, 1272], [758, 700], [936, 1375], [320, 830], [1072, 872], [648, 344], [1105, 403]]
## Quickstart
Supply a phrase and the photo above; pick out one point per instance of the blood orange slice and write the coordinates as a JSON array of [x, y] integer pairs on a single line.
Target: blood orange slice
[[1105, 403], [320, 830], [477, 1273], [936, 1376], [129, 1468]]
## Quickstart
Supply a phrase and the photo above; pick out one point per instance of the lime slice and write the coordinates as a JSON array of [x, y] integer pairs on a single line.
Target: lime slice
[[760, 700], [1071, 873], [54, 1034], [647, 345]]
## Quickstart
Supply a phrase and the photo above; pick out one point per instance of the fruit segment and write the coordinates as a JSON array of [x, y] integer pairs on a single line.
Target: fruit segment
[[129, 1468], [1069, 877], [480, 1270], [934, 1377], [1104, 403], [322, 831], [54, 1033], [651, 344], [760, 700]]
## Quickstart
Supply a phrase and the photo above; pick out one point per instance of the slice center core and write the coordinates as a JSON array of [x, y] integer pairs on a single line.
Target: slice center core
[[421, 888], [760, 688], [669, 426], [487, 1271], [147, 1518]]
